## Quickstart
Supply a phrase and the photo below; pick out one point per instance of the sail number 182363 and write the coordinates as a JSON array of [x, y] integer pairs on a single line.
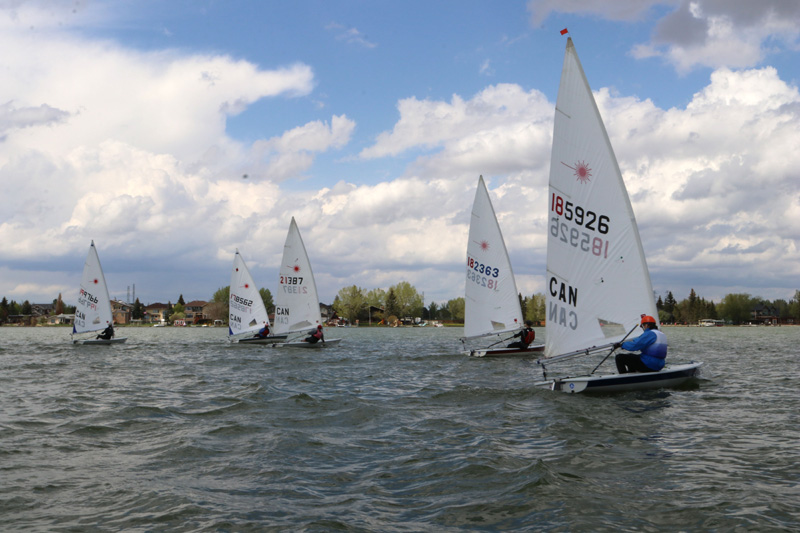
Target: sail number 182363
[[482, 274]]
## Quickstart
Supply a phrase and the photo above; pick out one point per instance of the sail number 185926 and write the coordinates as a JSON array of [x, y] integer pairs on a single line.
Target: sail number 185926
[[577, 214]]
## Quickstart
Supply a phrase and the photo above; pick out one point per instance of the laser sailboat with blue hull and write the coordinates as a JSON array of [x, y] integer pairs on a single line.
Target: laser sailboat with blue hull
[[598, 284]]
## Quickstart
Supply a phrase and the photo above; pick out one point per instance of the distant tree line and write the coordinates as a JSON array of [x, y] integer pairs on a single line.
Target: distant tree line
[[403, 300], [400, 301], [736, 308], [25, 308]]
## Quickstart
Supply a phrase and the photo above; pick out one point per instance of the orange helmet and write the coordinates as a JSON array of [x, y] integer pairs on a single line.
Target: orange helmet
[[647, 319]]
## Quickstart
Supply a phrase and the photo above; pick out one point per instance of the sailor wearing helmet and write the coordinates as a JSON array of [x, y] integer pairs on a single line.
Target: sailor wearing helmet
[[653, 347]]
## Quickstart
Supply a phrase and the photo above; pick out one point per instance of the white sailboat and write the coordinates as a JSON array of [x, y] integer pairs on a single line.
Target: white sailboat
[[491, 300], [93, 312], [247, 312], [598, 284], [297, 303]]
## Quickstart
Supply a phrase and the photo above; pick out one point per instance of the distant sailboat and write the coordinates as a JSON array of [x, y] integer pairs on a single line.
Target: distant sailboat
[[93, 312], [491, 299], [247, 311], [297, 303], [597, 282]]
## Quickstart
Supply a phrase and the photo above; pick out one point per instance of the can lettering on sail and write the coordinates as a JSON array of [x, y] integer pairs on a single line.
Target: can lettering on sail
[[558, 313], [282, 315]]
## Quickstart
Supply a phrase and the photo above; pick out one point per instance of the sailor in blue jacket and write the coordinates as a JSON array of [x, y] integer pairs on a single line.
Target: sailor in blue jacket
[[653, 347]]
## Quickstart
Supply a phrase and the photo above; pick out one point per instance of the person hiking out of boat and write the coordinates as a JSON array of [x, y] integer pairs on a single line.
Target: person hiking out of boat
[[526, 336], [263, 333], [316, 335], [652, 345], [107, 333]]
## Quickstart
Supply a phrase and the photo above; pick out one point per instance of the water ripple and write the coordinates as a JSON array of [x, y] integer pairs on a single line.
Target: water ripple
[[394, 430]]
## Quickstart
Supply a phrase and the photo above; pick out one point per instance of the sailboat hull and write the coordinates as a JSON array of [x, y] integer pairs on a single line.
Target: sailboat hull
[[505, 352], [258, 340], [100, 341], [302, 344], [670, 376]]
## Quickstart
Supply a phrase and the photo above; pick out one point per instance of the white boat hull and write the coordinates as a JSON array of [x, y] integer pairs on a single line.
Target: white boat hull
[[505, 352], [100, 341], [304, 344], [266, 340], [669, 376]]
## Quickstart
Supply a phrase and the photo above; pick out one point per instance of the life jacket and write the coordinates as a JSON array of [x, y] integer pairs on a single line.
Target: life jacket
[[655, 355], [528, 337]]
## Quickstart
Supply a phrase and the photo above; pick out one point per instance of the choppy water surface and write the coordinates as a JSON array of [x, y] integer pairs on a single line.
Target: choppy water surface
[[393, 430]]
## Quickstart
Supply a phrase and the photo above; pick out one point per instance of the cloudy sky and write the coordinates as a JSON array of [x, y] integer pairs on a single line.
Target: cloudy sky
[[172, 133]]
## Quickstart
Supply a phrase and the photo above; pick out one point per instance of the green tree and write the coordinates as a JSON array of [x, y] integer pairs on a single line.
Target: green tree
[[456, 308], [59, 305], [433, 311], [376, 298], [669, 303], [178, 308], [794, 306], [266, 297], [180, 300], [409, 301], [690, 310], [138, 310], [222, 296], [736, 307], [25, 308], [392, 307], [350, 303], [783, 308], [219, 307], [4, 308], [535, 308]]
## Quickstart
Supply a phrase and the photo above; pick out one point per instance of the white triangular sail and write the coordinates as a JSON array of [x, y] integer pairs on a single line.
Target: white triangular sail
[[297, 303], [247, 311], [93, 312], [491, 298], [597, 283]]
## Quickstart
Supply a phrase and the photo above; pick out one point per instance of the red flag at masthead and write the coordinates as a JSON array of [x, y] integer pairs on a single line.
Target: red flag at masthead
[[564, 31]]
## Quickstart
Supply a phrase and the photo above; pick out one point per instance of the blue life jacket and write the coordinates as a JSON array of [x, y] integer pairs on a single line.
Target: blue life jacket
[[653, 345]]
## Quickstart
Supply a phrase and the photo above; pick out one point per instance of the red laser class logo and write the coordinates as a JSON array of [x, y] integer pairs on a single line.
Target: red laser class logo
[[484, 246], [582, 171]]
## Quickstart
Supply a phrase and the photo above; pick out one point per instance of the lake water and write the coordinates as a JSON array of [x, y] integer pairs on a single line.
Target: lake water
[[392, 430]]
